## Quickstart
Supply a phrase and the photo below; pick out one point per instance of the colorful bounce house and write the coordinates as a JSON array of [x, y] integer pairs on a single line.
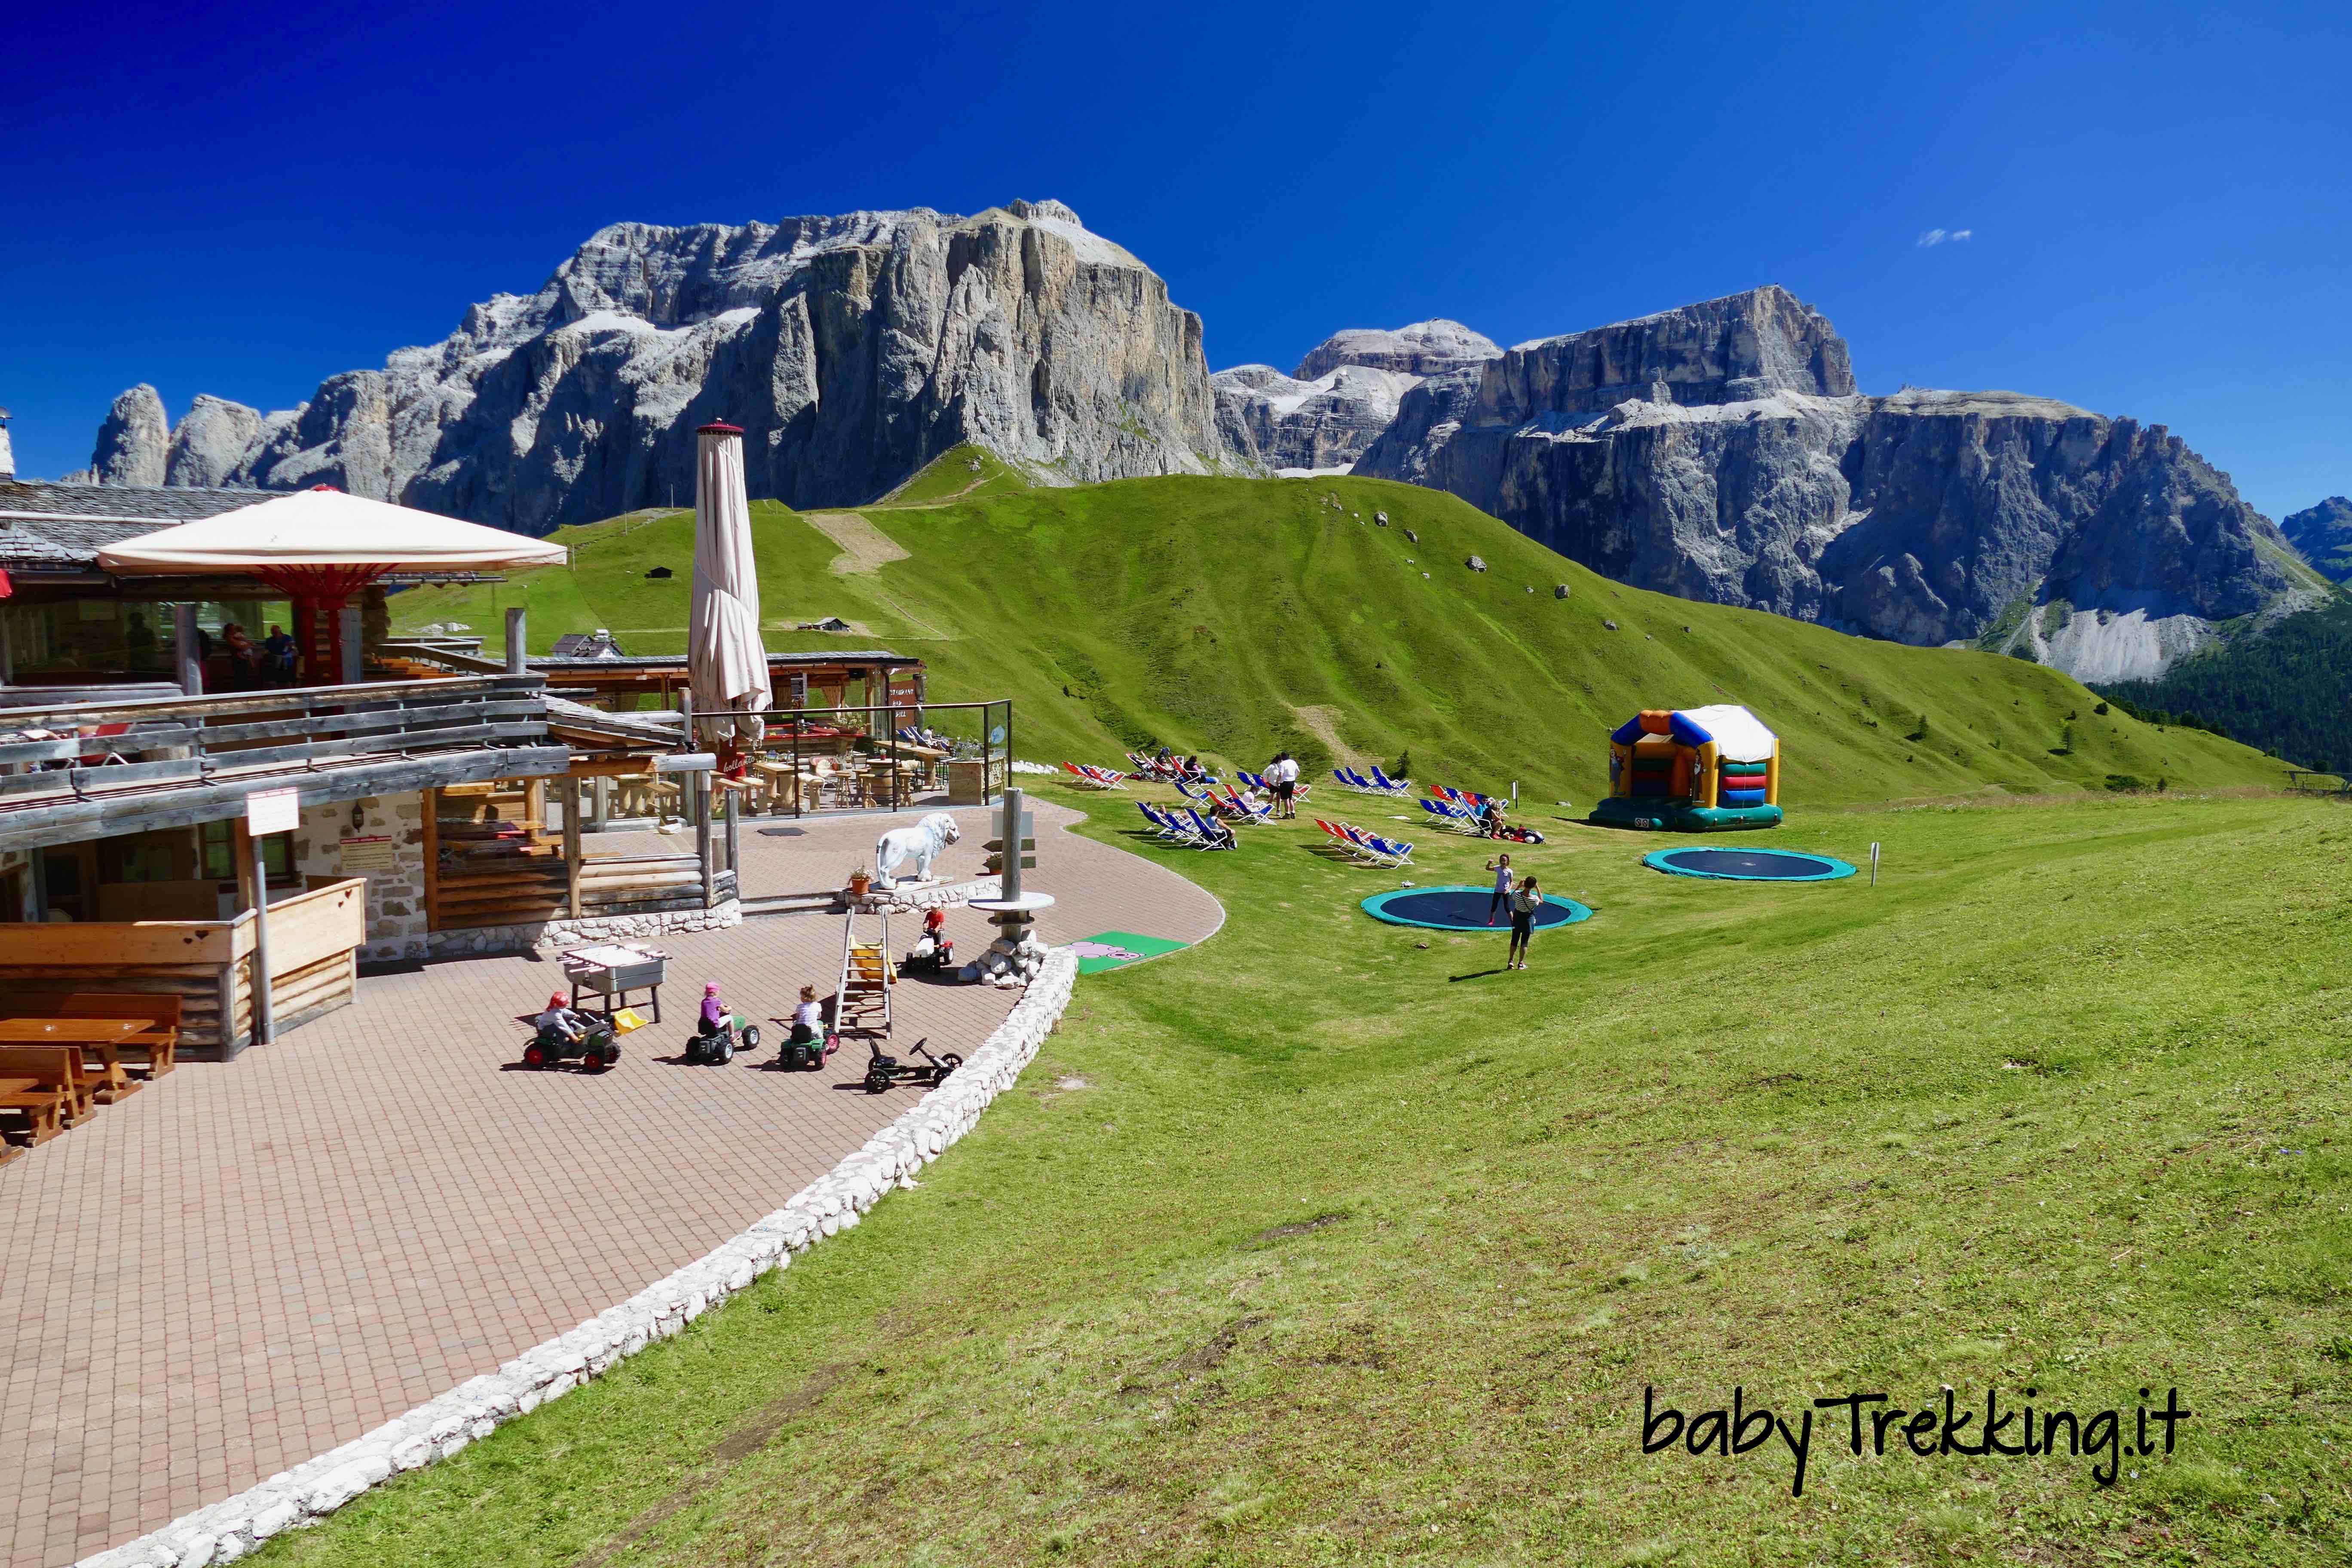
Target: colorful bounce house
[[1694, 770]]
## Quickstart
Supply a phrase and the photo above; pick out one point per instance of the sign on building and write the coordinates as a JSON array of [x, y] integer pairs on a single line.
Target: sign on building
[[273, 811]]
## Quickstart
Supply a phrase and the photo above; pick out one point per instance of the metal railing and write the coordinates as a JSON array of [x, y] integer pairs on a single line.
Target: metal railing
[[898, 773]]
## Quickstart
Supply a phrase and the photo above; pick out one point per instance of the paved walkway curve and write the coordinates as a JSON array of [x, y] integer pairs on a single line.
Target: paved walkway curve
[[246, 1265]]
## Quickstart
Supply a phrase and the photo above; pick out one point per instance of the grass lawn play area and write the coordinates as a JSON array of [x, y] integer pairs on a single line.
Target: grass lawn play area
[[1328, 1241]]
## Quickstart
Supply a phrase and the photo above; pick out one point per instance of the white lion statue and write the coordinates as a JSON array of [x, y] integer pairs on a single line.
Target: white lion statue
[[923, 841]]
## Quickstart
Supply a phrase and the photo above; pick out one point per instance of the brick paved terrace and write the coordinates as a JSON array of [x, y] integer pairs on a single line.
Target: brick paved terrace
[[246, 1263]]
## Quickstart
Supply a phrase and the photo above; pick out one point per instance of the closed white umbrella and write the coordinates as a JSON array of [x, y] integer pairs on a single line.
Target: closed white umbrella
[[726, 663], [319, 547]]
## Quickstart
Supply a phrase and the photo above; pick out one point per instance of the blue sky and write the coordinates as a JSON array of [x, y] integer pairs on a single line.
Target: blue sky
[[242, 200]]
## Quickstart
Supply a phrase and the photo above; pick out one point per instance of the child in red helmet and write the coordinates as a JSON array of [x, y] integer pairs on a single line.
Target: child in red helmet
[[562, 1019]]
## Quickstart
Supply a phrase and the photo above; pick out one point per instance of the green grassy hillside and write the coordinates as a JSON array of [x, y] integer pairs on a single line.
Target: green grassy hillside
[[1331, 1243], [1231, 617]]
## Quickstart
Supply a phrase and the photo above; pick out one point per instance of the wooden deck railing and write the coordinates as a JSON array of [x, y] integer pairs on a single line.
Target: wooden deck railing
[[206, 749]]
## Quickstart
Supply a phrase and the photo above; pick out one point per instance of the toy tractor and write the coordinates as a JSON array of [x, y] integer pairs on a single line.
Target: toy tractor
[[597, 1048], [717, 1046]]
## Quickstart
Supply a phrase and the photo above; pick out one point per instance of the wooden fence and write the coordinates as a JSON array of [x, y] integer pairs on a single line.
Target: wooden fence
[[313, 937]]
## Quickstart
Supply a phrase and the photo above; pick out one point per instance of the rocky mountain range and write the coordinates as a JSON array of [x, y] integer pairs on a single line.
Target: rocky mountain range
[[852, 350], [1721, 451]]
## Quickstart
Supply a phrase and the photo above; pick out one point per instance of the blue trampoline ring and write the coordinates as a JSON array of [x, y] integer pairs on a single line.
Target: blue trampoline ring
[[1455, 907], [1747, 865]]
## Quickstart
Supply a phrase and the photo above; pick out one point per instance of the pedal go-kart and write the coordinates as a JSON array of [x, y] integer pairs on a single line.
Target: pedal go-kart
[[717, 1046], [598, 1047], [882, 1071], [805, 1055]]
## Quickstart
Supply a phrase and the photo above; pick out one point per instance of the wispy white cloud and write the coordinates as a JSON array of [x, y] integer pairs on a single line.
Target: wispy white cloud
[[1935, 237]]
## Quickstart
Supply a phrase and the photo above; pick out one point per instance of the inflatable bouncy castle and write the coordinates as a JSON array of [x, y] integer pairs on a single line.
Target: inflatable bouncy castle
[[1694, 770]]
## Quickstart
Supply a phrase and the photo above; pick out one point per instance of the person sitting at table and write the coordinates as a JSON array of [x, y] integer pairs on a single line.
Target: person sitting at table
[[562, 1020], [280, 650]]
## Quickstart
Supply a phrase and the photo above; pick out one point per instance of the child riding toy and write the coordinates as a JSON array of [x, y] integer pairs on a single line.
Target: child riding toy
[[806, 1046], [933, 953], [560, 1034], [720, 1034]]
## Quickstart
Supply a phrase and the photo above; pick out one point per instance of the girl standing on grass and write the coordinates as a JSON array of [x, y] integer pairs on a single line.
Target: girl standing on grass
[[1501, 866], [1525, 903]]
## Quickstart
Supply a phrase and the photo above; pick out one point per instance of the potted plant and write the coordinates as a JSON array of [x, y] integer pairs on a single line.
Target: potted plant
[[859, 880]]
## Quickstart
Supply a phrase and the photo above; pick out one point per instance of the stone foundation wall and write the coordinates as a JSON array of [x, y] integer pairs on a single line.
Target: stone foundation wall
[[551, 934], [395, 897], [227, 1531]]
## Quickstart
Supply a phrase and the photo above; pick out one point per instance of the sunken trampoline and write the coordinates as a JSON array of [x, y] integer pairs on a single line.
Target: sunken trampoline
[[1460, 908], [1747, 865]]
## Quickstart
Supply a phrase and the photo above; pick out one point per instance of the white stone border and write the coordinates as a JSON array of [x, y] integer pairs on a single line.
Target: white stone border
[[225, 1532]]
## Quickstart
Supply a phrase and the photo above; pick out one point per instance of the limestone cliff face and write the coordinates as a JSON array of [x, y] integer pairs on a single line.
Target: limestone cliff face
[[852, 348], [210, 441], [133, 440], [1721, 452], [1326, 423], [1424, 348], [1344, 392]]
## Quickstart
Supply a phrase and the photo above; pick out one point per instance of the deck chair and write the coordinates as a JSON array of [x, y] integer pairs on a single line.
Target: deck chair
[[1209, 834], [1388, 785], [1451, 817]]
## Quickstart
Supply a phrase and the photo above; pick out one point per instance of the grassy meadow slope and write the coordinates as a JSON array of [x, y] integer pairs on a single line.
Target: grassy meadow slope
[[1232, 616], [1329, 1242]]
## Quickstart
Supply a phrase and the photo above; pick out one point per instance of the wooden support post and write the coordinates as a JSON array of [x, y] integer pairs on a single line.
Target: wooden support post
[[534, 806], [517, 650], [571, 844], [698, 794], [347, 625], [184, 646], [244, 856], [735, 838], [231, 1042]]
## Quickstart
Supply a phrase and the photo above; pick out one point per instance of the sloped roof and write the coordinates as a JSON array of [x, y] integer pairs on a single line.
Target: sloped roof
[[55, 527]]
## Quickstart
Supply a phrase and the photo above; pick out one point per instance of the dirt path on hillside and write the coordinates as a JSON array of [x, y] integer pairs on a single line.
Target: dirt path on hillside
[[1322, 722], [863, 547], [866, 549]]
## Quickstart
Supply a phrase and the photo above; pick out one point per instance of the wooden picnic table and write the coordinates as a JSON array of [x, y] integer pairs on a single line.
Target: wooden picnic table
[[101, 1036]]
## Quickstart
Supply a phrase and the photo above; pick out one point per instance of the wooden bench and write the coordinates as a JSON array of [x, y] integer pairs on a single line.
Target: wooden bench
[[159, 1044], [45, 1085]]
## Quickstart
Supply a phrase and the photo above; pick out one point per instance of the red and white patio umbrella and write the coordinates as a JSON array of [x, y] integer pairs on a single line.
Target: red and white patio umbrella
[[726, 663], [319, 547]]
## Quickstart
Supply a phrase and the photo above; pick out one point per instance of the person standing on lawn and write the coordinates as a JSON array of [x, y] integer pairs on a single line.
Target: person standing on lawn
[[1501, 866], [1525, 903], [1284, 777]]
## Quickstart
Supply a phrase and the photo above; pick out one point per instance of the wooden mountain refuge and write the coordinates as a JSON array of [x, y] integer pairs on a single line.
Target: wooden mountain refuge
[[431, 803]]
